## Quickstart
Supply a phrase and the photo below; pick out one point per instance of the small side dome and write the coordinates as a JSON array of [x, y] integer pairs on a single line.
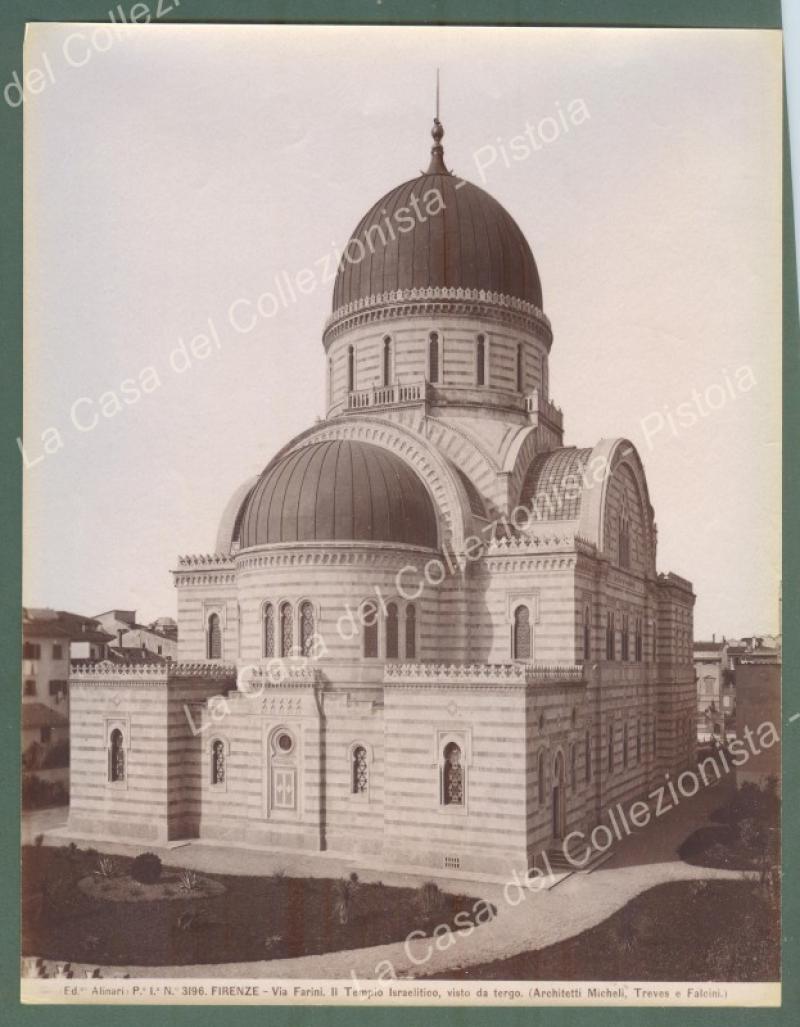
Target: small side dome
[[231, 520], [338, 491], [553, 487]]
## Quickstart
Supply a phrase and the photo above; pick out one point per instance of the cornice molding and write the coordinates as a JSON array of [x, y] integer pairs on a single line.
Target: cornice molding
[[152, 675], [438, 301], [490, 675]]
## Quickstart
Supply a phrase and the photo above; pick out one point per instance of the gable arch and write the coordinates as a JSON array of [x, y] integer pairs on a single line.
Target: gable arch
[[610, 460]]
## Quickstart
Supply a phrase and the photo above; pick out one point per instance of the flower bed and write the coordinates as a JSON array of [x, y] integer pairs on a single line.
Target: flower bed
[[246, 918]]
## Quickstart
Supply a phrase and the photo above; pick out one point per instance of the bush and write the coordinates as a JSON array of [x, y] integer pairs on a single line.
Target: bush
[[751, 833], [106, 867], [189, 880], [146, 868], [430, 897]]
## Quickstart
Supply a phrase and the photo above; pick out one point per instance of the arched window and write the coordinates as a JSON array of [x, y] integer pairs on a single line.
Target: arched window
[[387, 361], [624, 541], [433, 357], [392, 632], [369, 619], [573, 766], [625, 637], [540, 777], [520, 368], [625, 745], [587, 755], [587, 632], [351, 368], [306, 629], [360, 771], [287, 630], [330, 381], [522, 633], [411, 632], [610, 748], [610, 640], [480, 361], [269, 630], [214, 638], [638, 741], [116, 756], [639, 654], [218, 762], [452, 776]]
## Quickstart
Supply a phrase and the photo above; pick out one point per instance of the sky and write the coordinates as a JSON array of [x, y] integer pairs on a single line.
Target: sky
[[171, 171]]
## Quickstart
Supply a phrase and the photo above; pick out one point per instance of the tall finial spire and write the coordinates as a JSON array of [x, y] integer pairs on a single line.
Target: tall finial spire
[[437, 165]]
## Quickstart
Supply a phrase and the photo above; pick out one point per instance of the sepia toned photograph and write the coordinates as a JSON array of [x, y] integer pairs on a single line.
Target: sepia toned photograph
[[402, 515]]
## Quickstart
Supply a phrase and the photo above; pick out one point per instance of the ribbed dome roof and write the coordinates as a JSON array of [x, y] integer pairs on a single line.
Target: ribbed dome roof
[[552, 488], [472, 243], [338, 491]]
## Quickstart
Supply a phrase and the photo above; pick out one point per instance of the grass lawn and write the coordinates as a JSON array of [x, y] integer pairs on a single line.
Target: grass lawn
[[682, 931], [254, 918]]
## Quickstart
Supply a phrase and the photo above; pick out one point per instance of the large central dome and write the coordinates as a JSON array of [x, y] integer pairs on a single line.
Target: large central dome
[[471, 242]]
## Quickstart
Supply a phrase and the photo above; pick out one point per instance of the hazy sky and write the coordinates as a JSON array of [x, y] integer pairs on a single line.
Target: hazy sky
[[175, 170]]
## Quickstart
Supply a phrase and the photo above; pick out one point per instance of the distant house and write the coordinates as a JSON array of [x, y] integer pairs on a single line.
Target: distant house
[[716, 694], [159, 639], [716, 666], [50, 639], [758, 685]]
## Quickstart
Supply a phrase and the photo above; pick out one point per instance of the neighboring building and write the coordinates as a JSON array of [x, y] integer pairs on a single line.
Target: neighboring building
[[758, 688], [452, 645], [761, 648], [159, 638], [50, 638], [716, 693], [716, 672]]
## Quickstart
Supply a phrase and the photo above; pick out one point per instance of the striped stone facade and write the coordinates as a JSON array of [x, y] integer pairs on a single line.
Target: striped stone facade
[[464, 705]]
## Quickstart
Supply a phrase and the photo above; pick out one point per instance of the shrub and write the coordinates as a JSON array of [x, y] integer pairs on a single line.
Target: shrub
[[430, 897], [189, 880], [342, 900], [106, 867], [146, 868], [751, 833]]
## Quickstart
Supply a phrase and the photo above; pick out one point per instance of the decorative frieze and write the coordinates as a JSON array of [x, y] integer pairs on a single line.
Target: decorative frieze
[[205, 560], [276, 673], [307, 554], [155, 674], [436, 302], [482, 673]]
